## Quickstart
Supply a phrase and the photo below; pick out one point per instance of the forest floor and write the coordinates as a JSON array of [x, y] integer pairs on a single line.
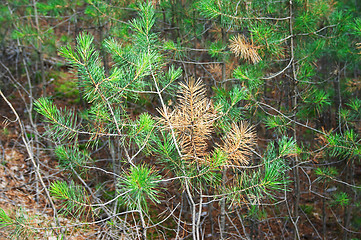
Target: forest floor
[[18, 184]]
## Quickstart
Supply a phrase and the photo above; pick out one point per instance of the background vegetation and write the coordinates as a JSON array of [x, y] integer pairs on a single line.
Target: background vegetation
[[180, 119]]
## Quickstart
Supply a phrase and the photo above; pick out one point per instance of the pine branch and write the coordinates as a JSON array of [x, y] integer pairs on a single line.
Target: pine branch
[[242, 48], [192, 119], [75, 200], [20, 225], [239, 144]]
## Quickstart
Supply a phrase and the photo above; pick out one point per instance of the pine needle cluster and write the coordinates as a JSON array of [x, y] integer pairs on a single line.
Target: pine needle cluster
[[245, 50], [192, 119], [239, 144]]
